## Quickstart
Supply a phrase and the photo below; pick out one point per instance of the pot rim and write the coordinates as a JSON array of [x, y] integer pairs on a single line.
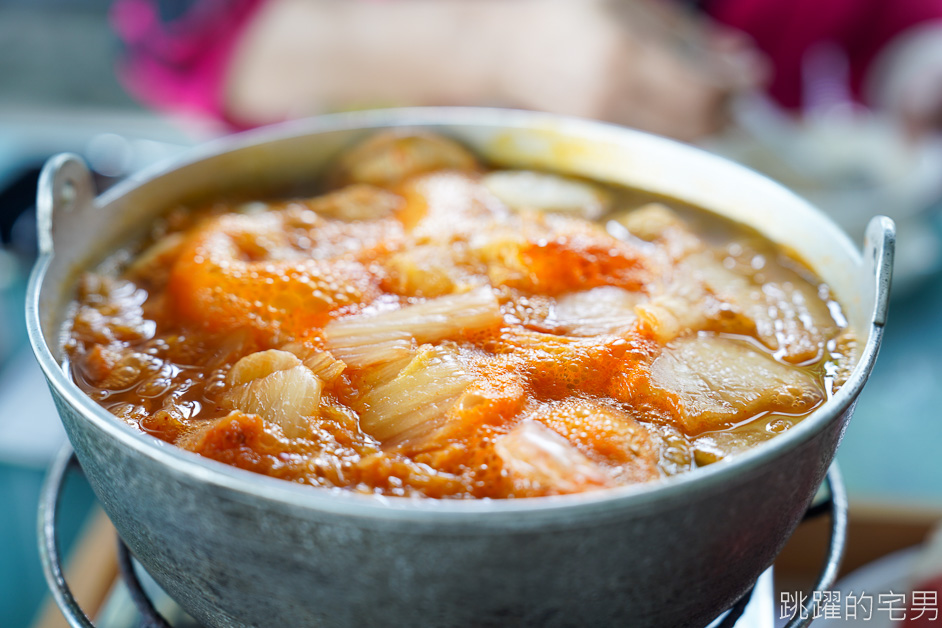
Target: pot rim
[[253, 486]]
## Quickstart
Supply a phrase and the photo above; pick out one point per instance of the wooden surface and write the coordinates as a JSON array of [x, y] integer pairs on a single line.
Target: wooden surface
[[90, 571], [874, 530]]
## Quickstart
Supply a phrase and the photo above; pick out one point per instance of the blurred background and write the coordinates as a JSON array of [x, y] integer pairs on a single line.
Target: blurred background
[[840, 101]]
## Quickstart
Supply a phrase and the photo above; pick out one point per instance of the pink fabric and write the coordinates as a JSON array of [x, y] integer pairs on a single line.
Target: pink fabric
[[180, 65], [787, 29]]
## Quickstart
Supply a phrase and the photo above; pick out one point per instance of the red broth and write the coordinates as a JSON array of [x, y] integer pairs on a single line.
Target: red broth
[[430, 327]]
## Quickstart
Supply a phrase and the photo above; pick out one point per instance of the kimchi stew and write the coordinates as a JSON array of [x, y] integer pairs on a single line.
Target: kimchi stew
[[431, 327]]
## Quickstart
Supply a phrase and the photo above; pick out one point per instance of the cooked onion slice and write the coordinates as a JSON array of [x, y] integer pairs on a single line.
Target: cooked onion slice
[[540, 460], [428, 321], [423, 391]]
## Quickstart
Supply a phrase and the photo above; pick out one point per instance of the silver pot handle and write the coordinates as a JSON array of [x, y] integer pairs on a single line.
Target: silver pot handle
[[48, 548], [65, 185], [879, 249], [837, 507], [52, 564]]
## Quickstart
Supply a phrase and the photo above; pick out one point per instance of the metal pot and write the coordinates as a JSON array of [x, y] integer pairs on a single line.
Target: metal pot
[[239, 549]]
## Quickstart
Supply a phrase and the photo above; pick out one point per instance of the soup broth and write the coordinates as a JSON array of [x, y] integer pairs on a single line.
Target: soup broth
[[431, 327]]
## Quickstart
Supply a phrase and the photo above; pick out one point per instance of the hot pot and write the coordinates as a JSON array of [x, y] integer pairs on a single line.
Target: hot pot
[[239, 549]]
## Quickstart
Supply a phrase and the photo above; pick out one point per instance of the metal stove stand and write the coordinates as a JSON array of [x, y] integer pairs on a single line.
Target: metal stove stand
[[834, 505]]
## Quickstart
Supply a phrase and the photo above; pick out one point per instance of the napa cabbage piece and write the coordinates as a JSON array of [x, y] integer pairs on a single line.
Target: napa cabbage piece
[[606, 433], [718, 382], [390, 157], [370, 349], [529, 190], [416, 400], [704, 292], [602, 310], [426, 270], [325, 366], [152, 266], [681, 307], [656, 222], [381, 373], [275, 385], [540, 461], [259, 364], [356, 202], [424, 322], [446, 207], [787, 316]]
